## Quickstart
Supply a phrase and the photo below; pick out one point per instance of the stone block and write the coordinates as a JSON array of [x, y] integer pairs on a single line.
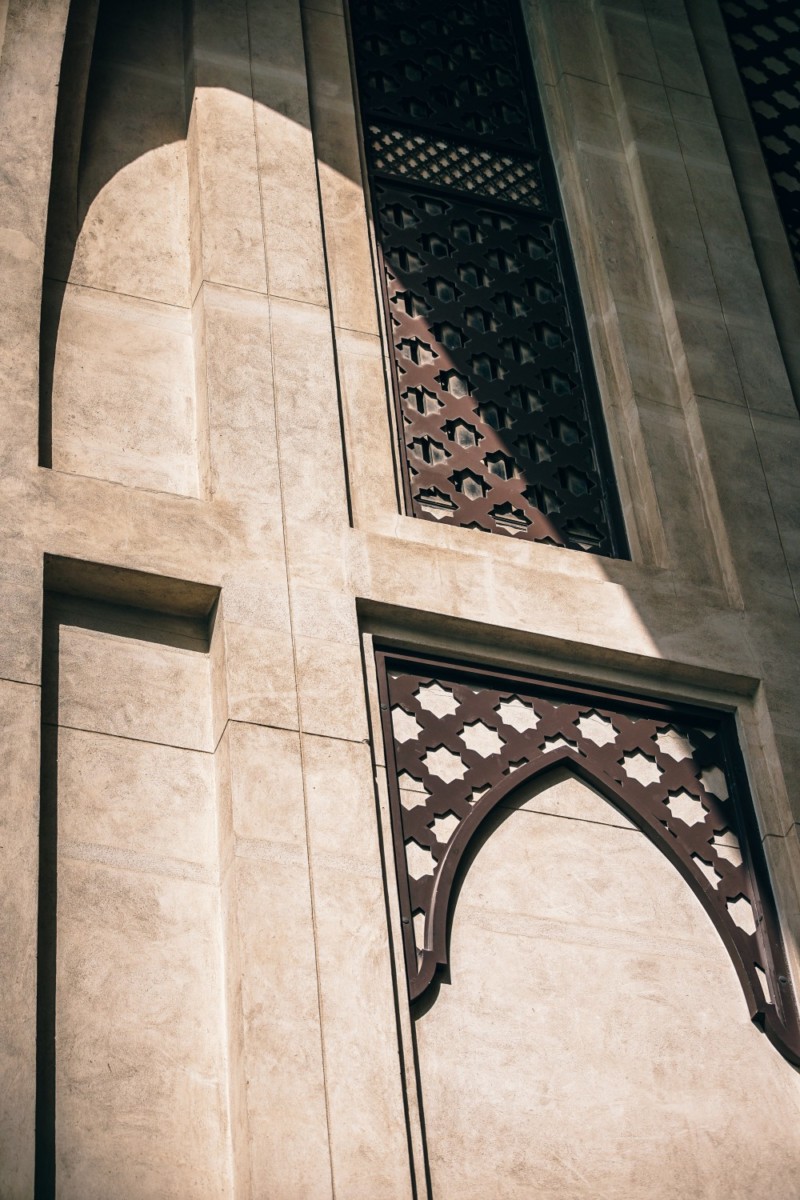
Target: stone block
[[647, 95], [28, 91], [676, 51], [592, 112], [606, 178], [261, 676], [352, 280], [221, 45], [324, 613], [762, 366], [699, 110], [124, 392], [289, 197], [331, 689], [21, 608], [229, 244], [267, 784], [372, 467], [132, 685], [783, 861], [283, 1050], [241, 416], [647, 356], [257, 596], [20, 317], [133, 234], [703, 345], [137, 797], [689, 526], [630, 45], [572, 50], [326, 6], [738, 475], [778, 441], [308, 418], [365, 1100], [556, 794], [295, 260], [788, 744], [19, 863], [140, 1026], [340, 786]]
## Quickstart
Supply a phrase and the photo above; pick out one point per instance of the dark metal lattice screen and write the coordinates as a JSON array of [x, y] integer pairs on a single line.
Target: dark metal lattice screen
[[765, 37], [459, 741], [495, 394]]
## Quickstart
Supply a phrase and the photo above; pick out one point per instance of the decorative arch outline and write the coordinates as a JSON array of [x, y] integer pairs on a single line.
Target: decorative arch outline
[[460, 741]]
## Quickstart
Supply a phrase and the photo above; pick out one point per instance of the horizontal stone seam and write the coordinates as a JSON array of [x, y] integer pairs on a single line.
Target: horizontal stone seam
[[332, 737], [374, 336], [126, 737], [541, 812], [21, 682], [128, 490], [793, 826], [77, 286]]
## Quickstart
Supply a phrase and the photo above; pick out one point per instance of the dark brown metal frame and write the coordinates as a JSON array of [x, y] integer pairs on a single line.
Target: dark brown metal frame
[[615, 541], [638, 722]]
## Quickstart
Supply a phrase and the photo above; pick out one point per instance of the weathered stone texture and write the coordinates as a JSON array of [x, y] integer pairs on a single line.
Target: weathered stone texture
[[231, 1008]]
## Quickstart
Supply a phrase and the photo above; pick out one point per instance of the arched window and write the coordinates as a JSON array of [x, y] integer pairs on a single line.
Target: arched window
[[496, 399]]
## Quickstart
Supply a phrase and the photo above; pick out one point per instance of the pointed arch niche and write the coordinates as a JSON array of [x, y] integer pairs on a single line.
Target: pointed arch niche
[[556, 848], [119, 338], [462, 743]]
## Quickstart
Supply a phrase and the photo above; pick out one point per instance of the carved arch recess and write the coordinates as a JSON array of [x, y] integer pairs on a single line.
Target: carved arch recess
[[460, 740]]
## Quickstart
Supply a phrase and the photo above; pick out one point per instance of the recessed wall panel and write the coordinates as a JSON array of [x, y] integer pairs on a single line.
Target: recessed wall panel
[[117, 353], [140, 1059]]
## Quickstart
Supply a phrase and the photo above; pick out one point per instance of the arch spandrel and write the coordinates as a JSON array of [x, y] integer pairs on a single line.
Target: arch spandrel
[[460, 742]]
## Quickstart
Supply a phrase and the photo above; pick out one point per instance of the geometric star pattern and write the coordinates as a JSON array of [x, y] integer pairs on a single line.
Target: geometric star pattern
[[496, 427], [496, 400], [675, 772], [765, 38]]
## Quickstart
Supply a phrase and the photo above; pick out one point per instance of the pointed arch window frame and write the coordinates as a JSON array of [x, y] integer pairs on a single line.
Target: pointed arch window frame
[[759, 958]]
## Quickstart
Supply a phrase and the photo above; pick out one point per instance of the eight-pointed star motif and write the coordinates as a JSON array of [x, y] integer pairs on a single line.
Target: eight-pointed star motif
[[641, 768], [436, 699], [445, 764], [479, 738]]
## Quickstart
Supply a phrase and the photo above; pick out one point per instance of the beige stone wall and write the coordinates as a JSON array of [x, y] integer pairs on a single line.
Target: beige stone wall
[[146, 1070], [220, 419]]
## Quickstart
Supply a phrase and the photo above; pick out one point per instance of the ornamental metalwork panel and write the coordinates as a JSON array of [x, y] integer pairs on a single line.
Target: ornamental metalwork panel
[[451, 67], [495, 423], [442, 162], [495, 394], [459, 741], [766, 45]]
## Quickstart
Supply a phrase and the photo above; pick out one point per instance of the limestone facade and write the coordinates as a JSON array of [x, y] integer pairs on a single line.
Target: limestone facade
[[203, 990]]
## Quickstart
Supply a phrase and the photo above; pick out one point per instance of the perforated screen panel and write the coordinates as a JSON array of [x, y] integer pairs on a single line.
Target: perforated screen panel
[[461, 740], [766, 44], [496, 398], [451, 67]]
